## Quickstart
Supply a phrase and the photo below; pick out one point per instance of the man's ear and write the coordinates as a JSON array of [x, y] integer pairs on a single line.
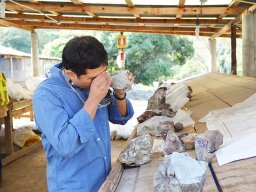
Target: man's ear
[[71, 74]]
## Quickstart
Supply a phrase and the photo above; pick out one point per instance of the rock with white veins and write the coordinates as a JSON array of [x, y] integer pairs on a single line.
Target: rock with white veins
[[178, 173], [120, 80], [206, 143], [138, 151]]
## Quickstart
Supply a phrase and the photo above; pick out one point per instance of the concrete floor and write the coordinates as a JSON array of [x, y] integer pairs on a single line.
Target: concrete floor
[[28, 173]]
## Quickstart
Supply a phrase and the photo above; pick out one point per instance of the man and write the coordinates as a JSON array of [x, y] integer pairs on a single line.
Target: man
[[72, 113]]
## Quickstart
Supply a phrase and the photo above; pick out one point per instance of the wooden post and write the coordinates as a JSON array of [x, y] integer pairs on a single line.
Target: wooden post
[[8, 133], [35, 53], [249, 44], [233, 50], [212, 46]]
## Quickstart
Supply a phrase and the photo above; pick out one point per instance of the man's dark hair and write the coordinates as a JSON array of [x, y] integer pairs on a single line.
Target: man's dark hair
[[82, 53]]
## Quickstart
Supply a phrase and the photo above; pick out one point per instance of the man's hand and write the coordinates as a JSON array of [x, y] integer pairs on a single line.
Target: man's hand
[[99, 87], [98, 90]]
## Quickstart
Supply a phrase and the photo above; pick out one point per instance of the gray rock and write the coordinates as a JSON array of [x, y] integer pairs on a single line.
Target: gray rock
[[138, 151], [149, 125], [147, 115], [188, 140], [163, 128], [178, 126], [179, 173], [172, 144], [120, 80], [157, 99], [206, 143]]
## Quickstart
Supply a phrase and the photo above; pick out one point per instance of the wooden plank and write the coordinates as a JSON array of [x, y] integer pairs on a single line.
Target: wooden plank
[[116, 20], [129, 3], [126, 10], [237, 176], [11, 24], [8, 133], [22, 103], [19, 112], [21, 152]]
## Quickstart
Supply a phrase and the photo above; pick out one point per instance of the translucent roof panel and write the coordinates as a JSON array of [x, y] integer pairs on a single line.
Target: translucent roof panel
[[156, 2], [208, 2]]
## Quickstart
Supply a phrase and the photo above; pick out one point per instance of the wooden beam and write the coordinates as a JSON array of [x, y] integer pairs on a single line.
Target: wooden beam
[[227, 27], [54, 12], [116, 20], [146, 29], [11, 24], [34, 1], [122, 27], [232, 4], [129, 3], [77, 2], [181, 5], [126, 10]]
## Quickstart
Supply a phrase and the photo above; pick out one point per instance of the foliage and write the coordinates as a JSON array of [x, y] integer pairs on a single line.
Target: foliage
[[150, 57]]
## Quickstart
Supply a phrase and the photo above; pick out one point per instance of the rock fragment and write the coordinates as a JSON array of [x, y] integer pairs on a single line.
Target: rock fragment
[[138, 151], [120, 80], [206, 143], [172, 144], [178, 173]]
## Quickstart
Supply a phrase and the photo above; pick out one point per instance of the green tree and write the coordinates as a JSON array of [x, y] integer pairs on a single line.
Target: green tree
[[150, 57]]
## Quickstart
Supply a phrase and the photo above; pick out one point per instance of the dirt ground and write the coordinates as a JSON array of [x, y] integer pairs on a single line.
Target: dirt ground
[[28, 173]]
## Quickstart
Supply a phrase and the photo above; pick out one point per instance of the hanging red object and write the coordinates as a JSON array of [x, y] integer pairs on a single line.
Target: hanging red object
[[121, 42]]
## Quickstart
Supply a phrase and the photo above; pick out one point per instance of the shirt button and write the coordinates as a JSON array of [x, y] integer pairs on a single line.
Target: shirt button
[[105, 157], [98, 139]]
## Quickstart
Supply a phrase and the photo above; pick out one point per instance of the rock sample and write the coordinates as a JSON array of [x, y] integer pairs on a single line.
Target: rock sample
[[157, 99], [178, 126], [138, 151], [167, 113], [188, 140], [172, 144], [206, 143], [120, 80], [147, 115], [163, 128], [149, 125], [189, 94], [179, 173]]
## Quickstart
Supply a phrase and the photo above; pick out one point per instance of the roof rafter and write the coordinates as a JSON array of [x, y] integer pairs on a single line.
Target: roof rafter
[[227, 27], [114, 20], [121, 27], [126, 10], [181, 5], [11, 24]]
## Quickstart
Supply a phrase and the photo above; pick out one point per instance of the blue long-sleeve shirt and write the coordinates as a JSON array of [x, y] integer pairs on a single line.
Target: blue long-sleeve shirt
[[77, 148]]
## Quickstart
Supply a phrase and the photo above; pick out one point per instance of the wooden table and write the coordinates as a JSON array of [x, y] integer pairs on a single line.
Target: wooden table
[[210, 91]]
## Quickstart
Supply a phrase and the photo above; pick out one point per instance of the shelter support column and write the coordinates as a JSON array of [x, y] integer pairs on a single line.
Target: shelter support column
[[35, 53], [212, 45], [249, 44], [233, 51]]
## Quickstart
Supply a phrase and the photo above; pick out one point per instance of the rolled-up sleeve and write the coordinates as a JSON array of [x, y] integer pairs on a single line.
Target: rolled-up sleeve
[[67, 135], [114, 114]]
